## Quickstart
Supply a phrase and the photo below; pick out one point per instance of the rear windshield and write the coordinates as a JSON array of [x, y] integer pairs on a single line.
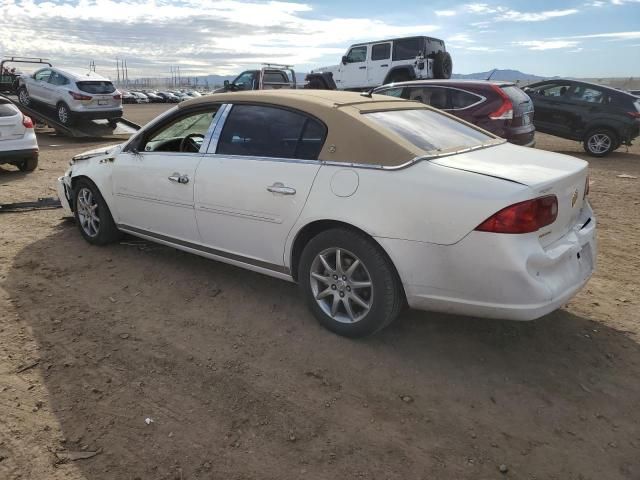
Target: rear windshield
[[430, 131], [96, 87], [7, 110], [516, 95]]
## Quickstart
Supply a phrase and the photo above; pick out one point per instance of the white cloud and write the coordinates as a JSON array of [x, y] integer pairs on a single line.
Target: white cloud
[[504, 14], [612, 35], [207, 36], [546, 44], [445, 13]]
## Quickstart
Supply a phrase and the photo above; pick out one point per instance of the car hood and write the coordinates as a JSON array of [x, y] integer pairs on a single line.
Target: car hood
[[96, 152], [528, 166]]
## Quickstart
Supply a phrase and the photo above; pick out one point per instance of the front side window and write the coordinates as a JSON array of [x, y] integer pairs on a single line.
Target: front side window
[[42, 75], [357, 54], [184, 134], [381, 51], [244, 81], [96, 86], [429, 130], [261, 131], [553, 90], [398, 92]]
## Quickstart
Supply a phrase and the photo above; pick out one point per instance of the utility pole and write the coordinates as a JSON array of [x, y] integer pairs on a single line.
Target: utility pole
[[118, 69]]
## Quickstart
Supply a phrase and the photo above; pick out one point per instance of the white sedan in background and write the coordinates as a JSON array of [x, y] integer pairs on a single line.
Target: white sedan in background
[[18, 142], [368, 202]]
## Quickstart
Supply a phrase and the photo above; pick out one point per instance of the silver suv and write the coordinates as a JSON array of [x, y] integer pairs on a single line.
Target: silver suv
[[74, 95]]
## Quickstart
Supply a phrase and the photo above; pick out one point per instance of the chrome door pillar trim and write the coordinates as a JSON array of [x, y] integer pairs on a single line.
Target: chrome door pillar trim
[[215, 129]]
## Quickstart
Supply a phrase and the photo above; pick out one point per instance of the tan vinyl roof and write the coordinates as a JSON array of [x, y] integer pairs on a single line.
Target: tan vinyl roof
[[350, 137]]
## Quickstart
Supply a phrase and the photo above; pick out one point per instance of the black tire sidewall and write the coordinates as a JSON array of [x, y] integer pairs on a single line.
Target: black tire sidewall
[[28, 165], [107, 231], [614, 143], [387, 292], [69, 117]]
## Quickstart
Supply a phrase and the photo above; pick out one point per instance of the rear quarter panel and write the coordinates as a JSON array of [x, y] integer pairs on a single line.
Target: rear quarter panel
[[423, 202]]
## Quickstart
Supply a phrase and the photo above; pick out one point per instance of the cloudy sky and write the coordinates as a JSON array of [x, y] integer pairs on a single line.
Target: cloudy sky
[[584, 38]]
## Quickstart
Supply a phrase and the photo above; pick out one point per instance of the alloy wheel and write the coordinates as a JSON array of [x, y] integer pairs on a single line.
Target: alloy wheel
[[23, 96], [63, 114], [599, 143], [341, 285], [88, 214]]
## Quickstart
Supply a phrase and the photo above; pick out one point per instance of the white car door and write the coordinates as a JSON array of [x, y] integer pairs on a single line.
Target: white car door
[[153, 181], [379, 63], [250, 192], [353, 70]]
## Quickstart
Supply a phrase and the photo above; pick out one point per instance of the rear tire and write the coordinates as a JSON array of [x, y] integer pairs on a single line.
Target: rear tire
[[63, 113], [350, 301], [92, 214], [28, 165], [600, 142]]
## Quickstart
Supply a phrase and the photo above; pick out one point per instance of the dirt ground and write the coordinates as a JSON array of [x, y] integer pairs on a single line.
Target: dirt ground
[[239, 382]]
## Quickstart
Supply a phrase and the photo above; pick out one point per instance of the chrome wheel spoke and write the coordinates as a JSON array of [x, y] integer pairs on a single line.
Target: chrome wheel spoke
[[352, 268], [324, 293], [355, 285], [334, 305], [88, 212], [349, 310], [321, 278], [325, 263], [338, 261], [356, 298]]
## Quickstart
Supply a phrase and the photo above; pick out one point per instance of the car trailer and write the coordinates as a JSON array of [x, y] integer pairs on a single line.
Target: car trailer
[[88, 129], [9, 81]]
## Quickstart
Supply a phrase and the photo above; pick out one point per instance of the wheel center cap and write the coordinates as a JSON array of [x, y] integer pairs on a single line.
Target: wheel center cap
[[341, 284]]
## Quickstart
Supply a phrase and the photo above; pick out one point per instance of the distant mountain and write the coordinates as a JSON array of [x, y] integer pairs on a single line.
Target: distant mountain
[[506, 75]]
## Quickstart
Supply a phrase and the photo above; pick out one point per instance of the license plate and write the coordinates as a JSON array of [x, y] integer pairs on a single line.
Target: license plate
[[103, 102]]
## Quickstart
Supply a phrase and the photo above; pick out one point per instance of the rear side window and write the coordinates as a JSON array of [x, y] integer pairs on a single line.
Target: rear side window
[[42, 75], [382, 51], [590, 95], [461, 99], [7, 110], [437, 97], [96, 86], [274, 77], [429, 130], [407, 48], [261, 131]]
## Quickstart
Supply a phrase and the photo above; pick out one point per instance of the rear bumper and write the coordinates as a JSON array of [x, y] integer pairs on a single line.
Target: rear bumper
[[15, 156], [510, 277], [99, 114], [524, 139]]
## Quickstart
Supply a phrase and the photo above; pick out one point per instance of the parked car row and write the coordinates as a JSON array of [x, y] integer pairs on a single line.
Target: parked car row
[[155, 96], [307, 186]]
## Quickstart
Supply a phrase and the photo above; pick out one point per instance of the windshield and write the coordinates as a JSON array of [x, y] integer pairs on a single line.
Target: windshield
[[431, 131]]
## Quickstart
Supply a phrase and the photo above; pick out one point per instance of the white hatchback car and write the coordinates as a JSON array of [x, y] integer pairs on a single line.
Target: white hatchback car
[[18, 142], [74, 95], [367, 202]]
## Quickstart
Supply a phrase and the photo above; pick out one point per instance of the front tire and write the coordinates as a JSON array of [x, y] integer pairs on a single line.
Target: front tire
[[600, 142], [349, 283], [92, 214]]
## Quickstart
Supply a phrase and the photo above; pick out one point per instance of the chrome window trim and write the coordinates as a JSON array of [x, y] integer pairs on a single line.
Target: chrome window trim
[[216, 128]]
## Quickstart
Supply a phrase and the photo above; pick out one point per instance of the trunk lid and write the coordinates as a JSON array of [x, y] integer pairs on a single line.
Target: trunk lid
[[546, 173]]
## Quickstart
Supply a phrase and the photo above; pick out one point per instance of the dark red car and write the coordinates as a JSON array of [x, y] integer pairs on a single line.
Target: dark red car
[[499, 107]]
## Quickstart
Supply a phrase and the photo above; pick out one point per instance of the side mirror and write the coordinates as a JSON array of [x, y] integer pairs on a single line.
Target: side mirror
[[226, 84], [344, 60]]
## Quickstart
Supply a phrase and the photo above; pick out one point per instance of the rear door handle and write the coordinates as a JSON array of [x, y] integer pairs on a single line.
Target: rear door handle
[[385, 65], [279, 187], [176, 177], [362, 68]]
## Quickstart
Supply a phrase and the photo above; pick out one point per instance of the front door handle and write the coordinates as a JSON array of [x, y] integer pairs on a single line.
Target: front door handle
[[279, 187], [362, 68], [176, 177]]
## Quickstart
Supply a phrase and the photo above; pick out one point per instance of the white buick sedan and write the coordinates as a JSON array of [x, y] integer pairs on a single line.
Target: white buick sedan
[[367, 202]]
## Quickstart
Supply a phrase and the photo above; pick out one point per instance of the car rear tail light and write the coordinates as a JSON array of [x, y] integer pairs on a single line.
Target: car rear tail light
[[117, 97], [586, 187], [505, 111], [524, 217], [634, 114], [27, 122], [79, 96]]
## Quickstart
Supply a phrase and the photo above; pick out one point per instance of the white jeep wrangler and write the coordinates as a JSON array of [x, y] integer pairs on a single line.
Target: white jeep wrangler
[[371, 64]]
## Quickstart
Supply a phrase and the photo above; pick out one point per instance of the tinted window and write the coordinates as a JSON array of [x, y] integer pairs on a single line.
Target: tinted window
[[96, 86], [406, 49], [553, 90], [382, 51], [274, 77], [244, 81], [588, 94], [398, 92], [430, 130], [258, 131], [462, 99], [437, 97], [57, 79], [357, 54], [42, 75]]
